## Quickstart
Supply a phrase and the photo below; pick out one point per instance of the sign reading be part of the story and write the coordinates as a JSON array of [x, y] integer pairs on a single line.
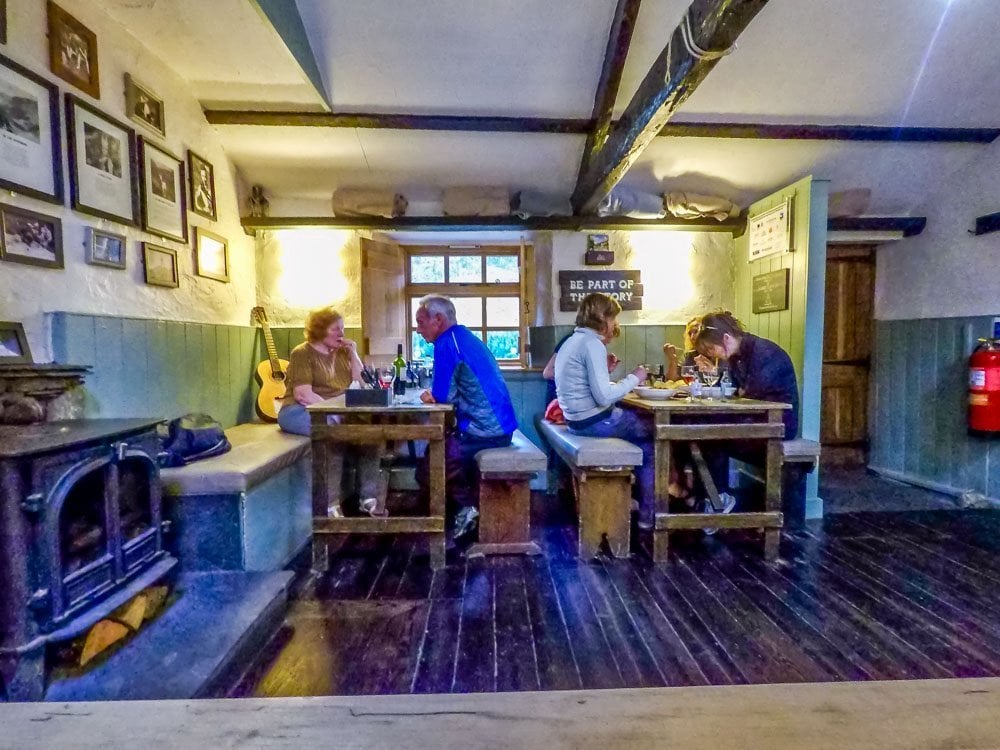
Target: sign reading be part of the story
[[624, 286]]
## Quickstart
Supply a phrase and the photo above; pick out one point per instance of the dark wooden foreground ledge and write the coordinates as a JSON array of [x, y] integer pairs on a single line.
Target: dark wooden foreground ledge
[[914, 715]]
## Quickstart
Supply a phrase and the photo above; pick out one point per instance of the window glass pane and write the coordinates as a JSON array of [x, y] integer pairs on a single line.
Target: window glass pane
[[469, 311], [502, 269], [427, 269], [504, 344], [465, 269], [420, 349], [414, 306], [502, 311]]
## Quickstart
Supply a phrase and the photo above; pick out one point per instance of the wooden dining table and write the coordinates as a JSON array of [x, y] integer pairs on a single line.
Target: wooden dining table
[[698, 420], [359, 425]]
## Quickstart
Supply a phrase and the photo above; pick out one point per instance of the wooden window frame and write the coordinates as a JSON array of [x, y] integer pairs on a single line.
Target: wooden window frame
[[520, 289]]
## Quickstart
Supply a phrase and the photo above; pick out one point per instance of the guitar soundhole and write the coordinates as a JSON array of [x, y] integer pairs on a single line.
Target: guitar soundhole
[[278, 376]]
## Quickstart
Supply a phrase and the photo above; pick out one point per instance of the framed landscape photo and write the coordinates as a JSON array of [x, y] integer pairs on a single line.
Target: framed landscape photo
[[143, 106], [160, 265], [73, 51], [102, 163], [211, 254], [106, 249], [164, 207], [30, 141], [201, 176], [13, 344], [30, 238]]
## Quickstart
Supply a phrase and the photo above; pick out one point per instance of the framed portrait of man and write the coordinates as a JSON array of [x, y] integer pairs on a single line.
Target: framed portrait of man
[[164, 203], [143, 106], [30, 139], [73, 51], [201, 178], [102, 163]]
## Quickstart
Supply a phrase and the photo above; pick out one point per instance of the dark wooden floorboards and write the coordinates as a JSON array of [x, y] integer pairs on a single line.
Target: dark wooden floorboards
[[858, 596]]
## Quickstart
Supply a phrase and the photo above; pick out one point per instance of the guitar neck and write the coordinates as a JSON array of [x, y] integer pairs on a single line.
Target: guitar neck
[[272, 352]]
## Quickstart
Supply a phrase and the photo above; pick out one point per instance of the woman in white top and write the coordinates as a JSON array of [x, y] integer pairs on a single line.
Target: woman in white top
[[587, 397]]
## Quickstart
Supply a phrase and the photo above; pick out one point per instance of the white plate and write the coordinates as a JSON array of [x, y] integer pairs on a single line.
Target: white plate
[[655, 394]]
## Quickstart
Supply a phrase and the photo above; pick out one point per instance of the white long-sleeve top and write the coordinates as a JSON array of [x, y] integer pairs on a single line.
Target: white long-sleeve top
[[582, 384]]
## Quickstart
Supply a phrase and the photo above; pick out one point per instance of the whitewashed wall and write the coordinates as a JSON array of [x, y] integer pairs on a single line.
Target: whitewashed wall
[[27, 293], [945, 272]]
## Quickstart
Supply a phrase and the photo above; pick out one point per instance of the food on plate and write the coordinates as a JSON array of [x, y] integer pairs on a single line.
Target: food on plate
[[669, 384]]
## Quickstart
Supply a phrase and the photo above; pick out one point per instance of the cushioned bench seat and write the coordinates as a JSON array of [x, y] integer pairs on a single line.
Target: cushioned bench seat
[[248, 509], [800, 450], [259, 452], [590, 452], [602, 482], [505, 497]]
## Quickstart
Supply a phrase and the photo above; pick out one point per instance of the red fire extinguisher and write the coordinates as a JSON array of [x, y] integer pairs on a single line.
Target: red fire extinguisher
[[984, 387]]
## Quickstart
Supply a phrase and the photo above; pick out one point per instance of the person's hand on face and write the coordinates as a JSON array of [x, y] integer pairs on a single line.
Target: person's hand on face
[[670, 352], [703, 363], [351, 346], [640, 373]]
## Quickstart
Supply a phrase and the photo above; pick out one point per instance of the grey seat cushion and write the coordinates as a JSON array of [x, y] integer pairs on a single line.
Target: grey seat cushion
[[259, 452], [590, 452], [520, 457]]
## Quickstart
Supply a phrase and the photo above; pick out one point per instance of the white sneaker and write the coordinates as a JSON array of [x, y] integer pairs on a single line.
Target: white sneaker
[[374, 507], [728, 503]]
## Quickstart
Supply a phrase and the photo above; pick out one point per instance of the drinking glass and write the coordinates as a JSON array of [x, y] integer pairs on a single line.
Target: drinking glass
[[710, 377], [386, 374], [688, 374]]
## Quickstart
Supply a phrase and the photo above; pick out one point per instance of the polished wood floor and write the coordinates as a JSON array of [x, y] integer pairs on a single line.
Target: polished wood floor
[[861, 596]]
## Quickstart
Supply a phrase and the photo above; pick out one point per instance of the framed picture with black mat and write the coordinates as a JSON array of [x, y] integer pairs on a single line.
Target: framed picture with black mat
[[102, 163], [164, 207], [30, 141]]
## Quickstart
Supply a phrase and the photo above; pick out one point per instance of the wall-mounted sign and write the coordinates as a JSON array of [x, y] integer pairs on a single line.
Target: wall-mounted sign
[[770, 292], [624, 286], [599, 252], [770, 233]]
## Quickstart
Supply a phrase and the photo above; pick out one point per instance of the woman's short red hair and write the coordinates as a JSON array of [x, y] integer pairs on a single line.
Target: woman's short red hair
[[318, 322]]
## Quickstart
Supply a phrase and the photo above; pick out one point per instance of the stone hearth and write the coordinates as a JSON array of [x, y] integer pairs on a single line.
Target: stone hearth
[[31, 393]]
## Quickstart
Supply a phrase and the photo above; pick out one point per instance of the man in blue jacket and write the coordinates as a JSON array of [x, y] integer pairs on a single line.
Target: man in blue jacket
[[466, 375]]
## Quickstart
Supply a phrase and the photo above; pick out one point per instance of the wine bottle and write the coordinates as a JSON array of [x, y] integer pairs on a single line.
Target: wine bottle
[[399, 364]]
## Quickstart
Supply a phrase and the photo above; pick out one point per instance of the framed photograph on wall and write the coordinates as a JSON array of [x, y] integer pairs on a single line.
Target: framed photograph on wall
[[160, 265], [143, 106], [3, 21], [201, 176], [30, 141], [13, 344], [30, 238], [164, 207], [73, 51], [106, 249], [211, 255], [102, 163]]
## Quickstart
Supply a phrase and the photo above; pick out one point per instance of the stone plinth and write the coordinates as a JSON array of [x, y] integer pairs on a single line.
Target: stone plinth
[[32, 393]]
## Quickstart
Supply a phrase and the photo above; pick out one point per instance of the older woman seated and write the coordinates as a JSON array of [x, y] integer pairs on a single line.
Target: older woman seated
[[588, 399], [321, 367]]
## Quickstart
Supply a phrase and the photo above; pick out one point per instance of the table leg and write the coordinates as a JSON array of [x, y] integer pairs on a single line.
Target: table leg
[[661, 542], [772, 498], [436, 482], [706, 477], [320, 491]]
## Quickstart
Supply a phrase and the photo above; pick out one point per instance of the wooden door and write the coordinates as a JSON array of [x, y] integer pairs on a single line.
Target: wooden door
[[847, 348], [384, 314]]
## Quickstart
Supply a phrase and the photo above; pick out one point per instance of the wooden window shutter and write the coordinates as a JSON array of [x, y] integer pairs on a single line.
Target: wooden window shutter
[[384, 314]]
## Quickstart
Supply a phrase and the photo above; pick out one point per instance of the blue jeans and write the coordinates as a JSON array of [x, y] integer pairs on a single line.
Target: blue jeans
[[637, 429], [366, 459]]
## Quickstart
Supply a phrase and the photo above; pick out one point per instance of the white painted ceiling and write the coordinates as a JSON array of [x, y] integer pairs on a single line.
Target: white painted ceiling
[[880, 62]]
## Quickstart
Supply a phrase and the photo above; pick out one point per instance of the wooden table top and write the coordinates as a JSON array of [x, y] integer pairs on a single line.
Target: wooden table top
[[336, 405], [894, 715], [704, 406]]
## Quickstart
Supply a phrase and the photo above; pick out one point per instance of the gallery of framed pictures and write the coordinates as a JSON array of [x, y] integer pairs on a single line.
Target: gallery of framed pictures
[[160, 265], [30, 156], [164, 207], [30, 238], [102, 158]]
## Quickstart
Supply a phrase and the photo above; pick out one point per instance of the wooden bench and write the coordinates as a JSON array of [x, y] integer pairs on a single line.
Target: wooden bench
[[799, 457], [602, 482], [248, 509], [505, 498]]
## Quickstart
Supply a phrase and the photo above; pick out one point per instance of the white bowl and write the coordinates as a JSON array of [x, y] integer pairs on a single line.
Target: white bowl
[[655, 394]]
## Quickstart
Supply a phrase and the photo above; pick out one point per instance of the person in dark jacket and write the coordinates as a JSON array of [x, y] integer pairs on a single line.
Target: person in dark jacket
[[761, 370]]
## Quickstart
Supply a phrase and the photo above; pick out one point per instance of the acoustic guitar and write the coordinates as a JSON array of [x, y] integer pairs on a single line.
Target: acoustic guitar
[[271, 374]]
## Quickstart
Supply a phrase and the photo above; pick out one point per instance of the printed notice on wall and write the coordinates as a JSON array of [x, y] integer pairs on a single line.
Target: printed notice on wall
[[770, 233], [624, 286]]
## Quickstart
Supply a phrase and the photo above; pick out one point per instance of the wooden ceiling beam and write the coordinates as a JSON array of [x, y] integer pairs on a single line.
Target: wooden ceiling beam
[[910, 226], [714, 26], [480, 124], [619, 40]]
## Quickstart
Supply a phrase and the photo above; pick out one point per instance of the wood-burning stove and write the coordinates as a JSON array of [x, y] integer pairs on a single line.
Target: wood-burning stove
[[80, 534]]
